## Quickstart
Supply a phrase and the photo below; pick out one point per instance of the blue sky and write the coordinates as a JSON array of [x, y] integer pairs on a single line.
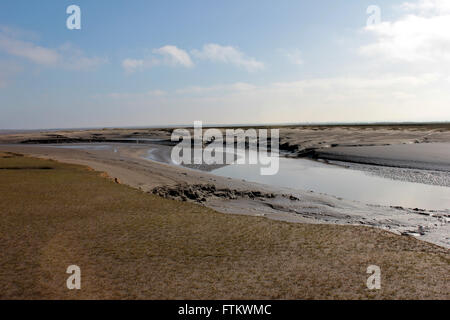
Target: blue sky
[[172, 62]]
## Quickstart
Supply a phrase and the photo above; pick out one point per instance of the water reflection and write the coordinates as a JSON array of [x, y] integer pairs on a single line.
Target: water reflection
[[346, 183]]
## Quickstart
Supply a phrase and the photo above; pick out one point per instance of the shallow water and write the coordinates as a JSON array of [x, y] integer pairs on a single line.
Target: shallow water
[[345, 183], [84, 146], [335, 180]]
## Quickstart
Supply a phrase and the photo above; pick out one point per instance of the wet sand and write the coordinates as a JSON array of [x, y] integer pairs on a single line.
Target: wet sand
[[426, 156], [126, 163], [132, 245], [297, 140]]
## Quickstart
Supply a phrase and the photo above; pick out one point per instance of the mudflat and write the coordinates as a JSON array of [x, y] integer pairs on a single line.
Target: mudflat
[[124, 159], [295, 138], [131, 244], [428, 156], [161, 229]]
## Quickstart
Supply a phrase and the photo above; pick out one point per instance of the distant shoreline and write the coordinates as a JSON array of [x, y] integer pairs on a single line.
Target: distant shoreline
[[238, 125]]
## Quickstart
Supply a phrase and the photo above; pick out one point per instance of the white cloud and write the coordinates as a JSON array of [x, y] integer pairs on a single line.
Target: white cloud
[[140, 95], [421, 35], [222, 89], [425, 7], [29, 51], [293, 56], [18, 33], [227, 54], [75, 59], [66, 56], [374, 97], [170, 56], [131, 65], [324, 89], [174, 56]]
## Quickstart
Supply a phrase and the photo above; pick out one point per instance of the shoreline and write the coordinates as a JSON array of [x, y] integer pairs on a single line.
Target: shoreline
[[163, 247], [128, 166], [424, 156]]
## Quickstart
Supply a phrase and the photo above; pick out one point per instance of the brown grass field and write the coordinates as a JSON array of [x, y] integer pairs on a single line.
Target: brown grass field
[[133, 245]]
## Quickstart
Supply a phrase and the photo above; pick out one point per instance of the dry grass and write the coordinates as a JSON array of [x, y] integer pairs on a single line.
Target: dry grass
[[132, 245]]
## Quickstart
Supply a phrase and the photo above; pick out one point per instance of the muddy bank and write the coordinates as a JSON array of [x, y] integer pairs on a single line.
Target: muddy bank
[[204, 192], [430, 177], [126, 163], [424, 156], [298, 139], [333, 142]]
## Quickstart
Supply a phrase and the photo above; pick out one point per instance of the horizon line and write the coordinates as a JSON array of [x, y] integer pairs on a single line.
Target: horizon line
[[281, 124]]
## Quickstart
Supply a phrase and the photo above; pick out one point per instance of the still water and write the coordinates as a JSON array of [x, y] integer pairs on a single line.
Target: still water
[[346, 183], [304, 174]]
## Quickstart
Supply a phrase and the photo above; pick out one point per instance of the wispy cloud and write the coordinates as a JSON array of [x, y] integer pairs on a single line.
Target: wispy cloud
[[424, 7], [29, 51], [222, 89], [171, 55], [74, 58], [128, 95], [293, 56], [66, 56], [130, 65], [227, 54], [174, 56], [346, 99], [168, 55]]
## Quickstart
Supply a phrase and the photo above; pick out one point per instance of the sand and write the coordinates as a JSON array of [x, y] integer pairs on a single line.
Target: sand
[[295, 139], [129, 167], [427, 156], [375, 144], [133, 245]]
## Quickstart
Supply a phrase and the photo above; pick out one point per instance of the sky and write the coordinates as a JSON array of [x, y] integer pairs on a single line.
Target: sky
[[156, 63]]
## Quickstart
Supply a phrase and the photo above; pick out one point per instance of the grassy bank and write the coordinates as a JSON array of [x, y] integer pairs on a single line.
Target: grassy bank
[[132, 245]]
